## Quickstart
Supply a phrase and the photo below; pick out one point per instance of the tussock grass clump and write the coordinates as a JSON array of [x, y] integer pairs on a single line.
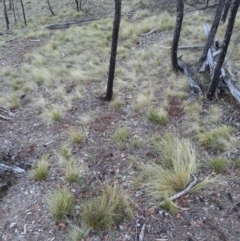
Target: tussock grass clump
[[59, 203], [179, 163], [72, 171], [111, 207], [157, 116], [218, 164], [66, 152], [54, 114], [121, 135], [137, 143], [77, 233], [217, 138], [76, 135], [116, 103], [40, 172]]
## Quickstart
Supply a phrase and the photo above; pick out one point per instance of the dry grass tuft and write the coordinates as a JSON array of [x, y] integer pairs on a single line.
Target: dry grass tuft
[[59, 203], [111, 207], [158, 116], [40, 172]]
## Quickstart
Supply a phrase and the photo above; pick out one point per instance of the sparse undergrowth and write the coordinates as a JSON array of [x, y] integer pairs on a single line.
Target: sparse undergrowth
[[61, 81]]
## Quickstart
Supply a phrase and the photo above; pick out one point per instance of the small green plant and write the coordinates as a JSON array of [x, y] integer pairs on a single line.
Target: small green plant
[[76, 135], [40, 173], [218, 164], [158, 116], [111, 207], [59, 203], [121, 135], [72, 171]]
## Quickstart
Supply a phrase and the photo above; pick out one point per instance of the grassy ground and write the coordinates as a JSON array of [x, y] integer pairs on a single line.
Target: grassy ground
[[99, 171]]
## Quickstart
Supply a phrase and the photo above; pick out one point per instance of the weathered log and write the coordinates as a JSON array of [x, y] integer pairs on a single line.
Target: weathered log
[[190, 77], [69, 24], [14, 169]]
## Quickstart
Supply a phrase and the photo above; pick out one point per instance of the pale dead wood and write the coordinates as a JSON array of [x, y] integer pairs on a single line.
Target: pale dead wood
[[69, 24], [14, 169], [183, 192], [183, 47], [9, 40], [190, 77], [148, 33], [141, 235], [5, 118]]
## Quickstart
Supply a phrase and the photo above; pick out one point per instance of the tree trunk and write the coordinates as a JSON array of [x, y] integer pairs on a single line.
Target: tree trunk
[[77, 5], [5, 14], [13, 8], [116, 24], [225, 11], [23, 13], [213, 30], [177, 32], [227, 37], [50, 8]]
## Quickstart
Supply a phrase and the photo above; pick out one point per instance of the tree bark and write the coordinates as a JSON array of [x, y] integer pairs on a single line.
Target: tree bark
[[177, 32], [227, 37], [5, 14], [225, 11], [13, 8], [77, 5], [116, 24], [50, 8], [25, 22], [213, 30]]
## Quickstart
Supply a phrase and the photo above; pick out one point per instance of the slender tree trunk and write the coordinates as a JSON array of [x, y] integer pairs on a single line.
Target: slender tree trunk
[[23, 13], [49, 6], [5, 14], [227, 37], [80, 4], [116, 25], [10, 4], [225, 11], [13, 8], [213, 30], [77, 5], [176, 37]]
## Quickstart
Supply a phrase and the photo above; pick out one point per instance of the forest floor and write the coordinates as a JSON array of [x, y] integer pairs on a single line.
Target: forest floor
[[51, 80]]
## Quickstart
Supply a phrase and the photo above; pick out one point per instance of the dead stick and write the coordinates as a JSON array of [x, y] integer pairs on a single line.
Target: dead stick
[[5, 118], [183, 192], [141, 235]]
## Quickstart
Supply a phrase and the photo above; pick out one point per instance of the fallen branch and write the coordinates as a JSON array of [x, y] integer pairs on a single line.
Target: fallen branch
[[68, 24], [150, 32], [5, 118], [183, 192], [141, 235], [14, 169], [192, 83], [184, 47]]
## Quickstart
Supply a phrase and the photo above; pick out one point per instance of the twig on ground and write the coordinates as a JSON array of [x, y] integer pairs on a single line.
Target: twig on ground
[[14, 169], [183, 192], [48, 143], [9, 40], [150, 32], [141, 235], [184, 47], [5, 118]]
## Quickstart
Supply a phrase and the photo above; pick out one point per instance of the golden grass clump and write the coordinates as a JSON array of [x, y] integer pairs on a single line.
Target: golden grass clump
[[121, 135], [77, 135], [217, 138], [112, 207], [175, 173], [40, 172], [60, 203], [158, 116]]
